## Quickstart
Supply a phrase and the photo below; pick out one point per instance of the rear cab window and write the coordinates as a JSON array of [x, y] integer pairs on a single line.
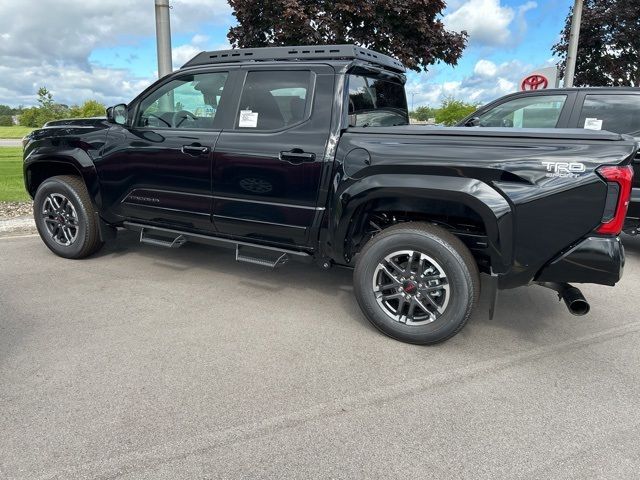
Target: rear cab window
[[376, 102], [618, 113]]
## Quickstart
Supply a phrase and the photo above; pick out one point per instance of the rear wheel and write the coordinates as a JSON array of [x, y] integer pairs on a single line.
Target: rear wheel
[[416, 283], [65, 217]]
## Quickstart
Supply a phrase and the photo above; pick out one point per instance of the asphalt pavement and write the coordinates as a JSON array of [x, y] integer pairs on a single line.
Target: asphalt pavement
[[147, 363]]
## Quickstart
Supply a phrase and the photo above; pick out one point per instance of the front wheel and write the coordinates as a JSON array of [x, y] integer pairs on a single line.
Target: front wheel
[[416, 283], [65, 217]]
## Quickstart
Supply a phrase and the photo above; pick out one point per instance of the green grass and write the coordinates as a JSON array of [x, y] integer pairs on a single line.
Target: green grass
[[14, 132], [11, 183]]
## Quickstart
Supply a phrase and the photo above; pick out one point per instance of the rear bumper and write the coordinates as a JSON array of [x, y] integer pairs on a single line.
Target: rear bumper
[[593, 260]]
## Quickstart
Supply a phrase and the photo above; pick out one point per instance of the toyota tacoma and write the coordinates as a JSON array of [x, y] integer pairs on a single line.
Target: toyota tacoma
[[306, 153]]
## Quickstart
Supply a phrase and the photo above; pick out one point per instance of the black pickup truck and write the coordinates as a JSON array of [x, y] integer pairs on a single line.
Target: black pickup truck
[[306, 153], [616, 109]]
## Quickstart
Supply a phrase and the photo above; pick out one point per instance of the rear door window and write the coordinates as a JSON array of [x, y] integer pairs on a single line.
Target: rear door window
[[615, 113], [273, 100], [536, 111]]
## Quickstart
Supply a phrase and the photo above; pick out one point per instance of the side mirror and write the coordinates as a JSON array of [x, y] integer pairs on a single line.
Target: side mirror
[[473, 122], [117, 114]]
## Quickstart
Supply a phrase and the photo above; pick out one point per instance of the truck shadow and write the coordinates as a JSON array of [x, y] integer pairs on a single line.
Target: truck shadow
[[529, 313], [335, 282], [631, 244]]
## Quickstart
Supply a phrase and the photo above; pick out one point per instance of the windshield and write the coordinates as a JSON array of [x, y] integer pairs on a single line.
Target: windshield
[[374, 102]]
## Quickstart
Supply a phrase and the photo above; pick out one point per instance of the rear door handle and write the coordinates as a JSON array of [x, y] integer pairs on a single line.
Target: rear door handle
[[297, 156], [194, 149]]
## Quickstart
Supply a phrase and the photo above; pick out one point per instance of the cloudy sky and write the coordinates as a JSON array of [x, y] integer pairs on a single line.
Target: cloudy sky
[[105, 49]]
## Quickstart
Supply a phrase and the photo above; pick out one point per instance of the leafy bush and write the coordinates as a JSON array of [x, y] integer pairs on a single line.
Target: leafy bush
[[90, 108], [5, 121], [423, 113], [30, 118], [451, 111]]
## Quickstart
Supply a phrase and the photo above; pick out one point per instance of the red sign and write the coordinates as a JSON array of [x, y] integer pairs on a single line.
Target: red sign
[[534, 82]]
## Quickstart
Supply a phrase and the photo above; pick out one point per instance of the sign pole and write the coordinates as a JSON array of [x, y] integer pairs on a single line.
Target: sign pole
[[163, 37], [572, 52]]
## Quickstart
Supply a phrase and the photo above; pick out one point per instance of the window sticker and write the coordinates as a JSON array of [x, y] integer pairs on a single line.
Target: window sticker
[[593, 124], [205, 111], [248, 119]]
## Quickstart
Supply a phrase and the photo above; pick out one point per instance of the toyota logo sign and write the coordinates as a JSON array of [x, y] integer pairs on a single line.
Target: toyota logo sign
[[534, 82]]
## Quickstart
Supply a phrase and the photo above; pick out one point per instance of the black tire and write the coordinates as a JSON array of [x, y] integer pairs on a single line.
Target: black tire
[[448, 254], [86, 240]]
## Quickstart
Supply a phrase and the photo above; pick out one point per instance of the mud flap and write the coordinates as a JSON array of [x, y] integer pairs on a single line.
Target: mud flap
[[493, 295], [106, 231]]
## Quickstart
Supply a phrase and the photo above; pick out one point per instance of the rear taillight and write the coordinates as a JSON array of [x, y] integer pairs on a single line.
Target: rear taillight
[[618, 193]]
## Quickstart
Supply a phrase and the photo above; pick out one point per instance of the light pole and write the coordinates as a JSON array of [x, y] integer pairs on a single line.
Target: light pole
[[412, 95], [163, 37], [572, 52]]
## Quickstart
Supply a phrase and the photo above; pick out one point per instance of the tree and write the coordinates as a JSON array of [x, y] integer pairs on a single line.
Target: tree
[[423, 113], [452, 111], [6, 121], [45, 98], [7, 110], [609, 44], [410, 30]]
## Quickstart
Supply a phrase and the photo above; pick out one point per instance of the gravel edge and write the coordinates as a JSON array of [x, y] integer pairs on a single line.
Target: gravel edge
[[16, 218]]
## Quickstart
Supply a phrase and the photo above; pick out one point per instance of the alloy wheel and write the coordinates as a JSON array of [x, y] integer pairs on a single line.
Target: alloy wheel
[[60, 218], [411, 287]]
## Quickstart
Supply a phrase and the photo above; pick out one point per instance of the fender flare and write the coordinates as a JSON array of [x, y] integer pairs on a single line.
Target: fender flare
[[76, 158], [494, 209]]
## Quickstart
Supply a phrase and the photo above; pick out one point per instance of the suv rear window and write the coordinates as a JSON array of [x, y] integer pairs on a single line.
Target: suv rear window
[[615, 113], [533, 111], [375, 102]]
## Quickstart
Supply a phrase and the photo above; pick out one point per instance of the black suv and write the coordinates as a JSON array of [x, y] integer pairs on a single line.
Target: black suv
[[616, 109], [305, 153]]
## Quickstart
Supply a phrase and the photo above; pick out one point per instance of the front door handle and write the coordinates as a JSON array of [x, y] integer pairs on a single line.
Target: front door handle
[[297, 156], [194, 149]]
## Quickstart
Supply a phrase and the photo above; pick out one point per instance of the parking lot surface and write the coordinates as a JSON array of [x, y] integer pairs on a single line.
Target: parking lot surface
[[148, 363]]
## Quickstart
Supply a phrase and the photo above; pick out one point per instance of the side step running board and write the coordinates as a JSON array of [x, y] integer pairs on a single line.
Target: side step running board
[[257, 256], [248, 252], [177, 242]]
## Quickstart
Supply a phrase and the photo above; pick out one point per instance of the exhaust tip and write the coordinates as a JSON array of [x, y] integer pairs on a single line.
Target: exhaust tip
[[579, 307], [575, 301], [572, 296]]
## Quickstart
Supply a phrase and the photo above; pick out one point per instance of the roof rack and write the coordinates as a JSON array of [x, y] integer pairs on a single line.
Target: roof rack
[[309, 52]]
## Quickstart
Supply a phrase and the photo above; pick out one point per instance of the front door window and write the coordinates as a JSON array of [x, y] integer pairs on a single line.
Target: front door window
[[189, 102]]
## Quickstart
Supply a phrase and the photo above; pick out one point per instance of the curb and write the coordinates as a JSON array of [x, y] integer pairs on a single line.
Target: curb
[[10, 142], [17, 226]]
